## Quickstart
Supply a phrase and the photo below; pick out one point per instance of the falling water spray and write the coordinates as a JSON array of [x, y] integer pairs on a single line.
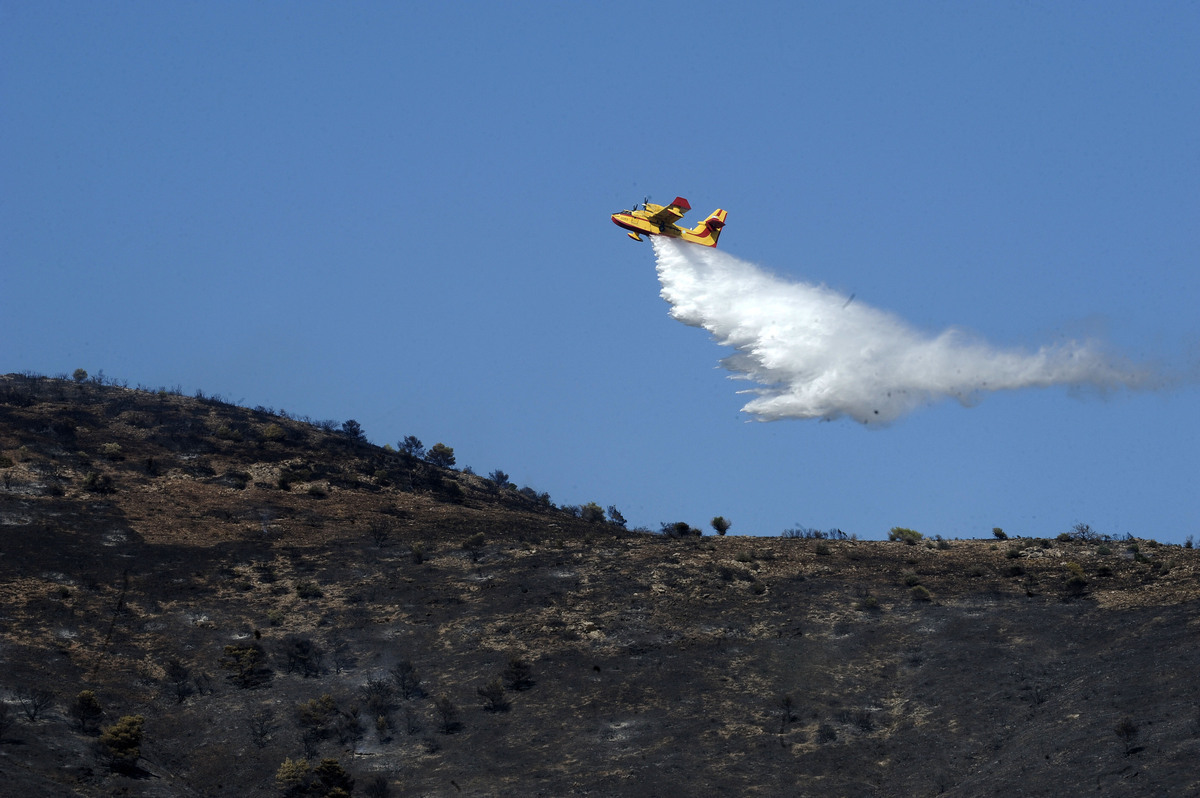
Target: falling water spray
[[811, 352]]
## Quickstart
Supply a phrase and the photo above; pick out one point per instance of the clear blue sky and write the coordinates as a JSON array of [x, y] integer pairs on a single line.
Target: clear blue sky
[[399, 213]]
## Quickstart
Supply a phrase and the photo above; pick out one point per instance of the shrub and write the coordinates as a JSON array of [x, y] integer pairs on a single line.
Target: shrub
[[679, 529], [720, 525], [823, 549], [1127, 731], [315, 715], [292, 776], [474, 544], [921, 593], [307, 589], [1013, 553], [274, 432], [911, 579], [493, 696], [518, 675], [96, 482], [499, 479], [111, 451], [246, 664], [615, 517], [999, 533], [122, 742], [592, 512], [869, 604], [379, 696], [909, 536], [301, 655], [79, 375], [447, 713]]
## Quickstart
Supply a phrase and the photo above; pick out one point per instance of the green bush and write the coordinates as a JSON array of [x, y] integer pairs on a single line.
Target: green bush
[[869, 604], [474, 544], [308, 589], [921, 593], [721, 525], [122, 742], [909, 536]]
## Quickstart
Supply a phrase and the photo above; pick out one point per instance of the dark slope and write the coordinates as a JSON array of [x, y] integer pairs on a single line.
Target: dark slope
[[145, 533]]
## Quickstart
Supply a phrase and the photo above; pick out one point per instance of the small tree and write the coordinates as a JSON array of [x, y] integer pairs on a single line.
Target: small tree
[[441, 456], [499, 479], [262, 725], [615, 517], [180, 679], [7, 719], [354, 431], [407, 680], [720, 525], [122, 742], [34, 701], [412, 446], [86, 711], [448, 713], [79, 375], [246, 664], [787, 706]]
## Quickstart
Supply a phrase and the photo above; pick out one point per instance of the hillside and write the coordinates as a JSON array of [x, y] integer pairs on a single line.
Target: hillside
[[262, 590]]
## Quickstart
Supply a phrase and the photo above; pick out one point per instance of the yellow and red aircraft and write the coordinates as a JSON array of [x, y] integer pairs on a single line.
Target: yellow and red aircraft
[[659, 220]]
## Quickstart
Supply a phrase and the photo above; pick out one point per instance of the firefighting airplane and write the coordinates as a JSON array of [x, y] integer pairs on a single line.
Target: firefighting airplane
[[659, 220]]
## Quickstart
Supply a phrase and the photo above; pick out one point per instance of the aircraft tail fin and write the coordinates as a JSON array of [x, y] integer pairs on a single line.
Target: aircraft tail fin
[[711, 227]]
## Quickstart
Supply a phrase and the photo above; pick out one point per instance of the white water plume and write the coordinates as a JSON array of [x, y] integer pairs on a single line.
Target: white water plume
[[815, 353]]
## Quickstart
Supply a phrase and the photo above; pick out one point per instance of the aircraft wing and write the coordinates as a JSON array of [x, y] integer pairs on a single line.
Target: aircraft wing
[[671, 213]]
